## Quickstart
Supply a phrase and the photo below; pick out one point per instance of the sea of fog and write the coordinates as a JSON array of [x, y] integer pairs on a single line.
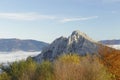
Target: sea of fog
[[115, 46], [8, 57]]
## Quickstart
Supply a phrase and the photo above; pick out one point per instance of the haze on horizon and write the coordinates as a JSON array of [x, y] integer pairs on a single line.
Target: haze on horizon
[[50, 19]]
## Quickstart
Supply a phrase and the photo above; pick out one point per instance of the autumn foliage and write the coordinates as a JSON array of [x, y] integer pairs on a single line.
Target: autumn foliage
[[80, 68], [66, 67], [111, 59]]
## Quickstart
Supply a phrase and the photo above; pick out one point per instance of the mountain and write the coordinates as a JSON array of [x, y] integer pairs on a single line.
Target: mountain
[[77, 42], [8, 45], [110, 42], [81, 44]]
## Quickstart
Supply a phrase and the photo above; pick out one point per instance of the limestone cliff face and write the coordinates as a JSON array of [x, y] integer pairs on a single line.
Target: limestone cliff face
[[77, 43]]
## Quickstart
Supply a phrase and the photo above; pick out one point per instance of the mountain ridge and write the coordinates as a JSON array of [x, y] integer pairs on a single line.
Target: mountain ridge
[[14, 44], [111, 42]]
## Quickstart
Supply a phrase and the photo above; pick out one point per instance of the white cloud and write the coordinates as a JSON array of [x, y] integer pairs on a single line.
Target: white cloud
[[36, 16], [77, 19], [25, 16]]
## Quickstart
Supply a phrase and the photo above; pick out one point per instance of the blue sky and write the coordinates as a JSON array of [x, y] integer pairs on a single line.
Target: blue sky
[[46, 20]]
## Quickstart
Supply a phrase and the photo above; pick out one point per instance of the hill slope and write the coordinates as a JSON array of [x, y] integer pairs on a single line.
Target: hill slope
[[111, 58]]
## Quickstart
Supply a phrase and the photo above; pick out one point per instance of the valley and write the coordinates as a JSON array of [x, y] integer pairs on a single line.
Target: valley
[[8, 57]]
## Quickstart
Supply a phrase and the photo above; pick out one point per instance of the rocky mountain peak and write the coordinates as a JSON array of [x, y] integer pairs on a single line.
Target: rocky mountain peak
[[77, 32], [77, 42], [76, 35]]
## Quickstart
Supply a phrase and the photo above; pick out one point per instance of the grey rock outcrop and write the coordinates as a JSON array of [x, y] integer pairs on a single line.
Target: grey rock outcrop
[[78, 43]]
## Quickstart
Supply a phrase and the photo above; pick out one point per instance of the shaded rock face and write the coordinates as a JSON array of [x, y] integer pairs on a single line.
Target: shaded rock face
[[78, 43]]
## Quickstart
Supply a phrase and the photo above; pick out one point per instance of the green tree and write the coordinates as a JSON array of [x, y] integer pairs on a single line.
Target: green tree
[[23, 70], [4, 76], [44, 71]]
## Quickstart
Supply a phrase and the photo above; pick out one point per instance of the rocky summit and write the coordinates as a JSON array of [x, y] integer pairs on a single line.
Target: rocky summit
[[77, 43]]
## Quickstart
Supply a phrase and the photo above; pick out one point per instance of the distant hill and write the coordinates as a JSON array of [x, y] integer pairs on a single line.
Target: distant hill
[[8, 45], [110, 42]]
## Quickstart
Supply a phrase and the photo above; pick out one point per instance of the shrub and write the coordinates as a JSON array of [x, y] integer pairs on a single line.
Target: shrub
[[23, 70], [72, 67], [44, 71], [4, 76]]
